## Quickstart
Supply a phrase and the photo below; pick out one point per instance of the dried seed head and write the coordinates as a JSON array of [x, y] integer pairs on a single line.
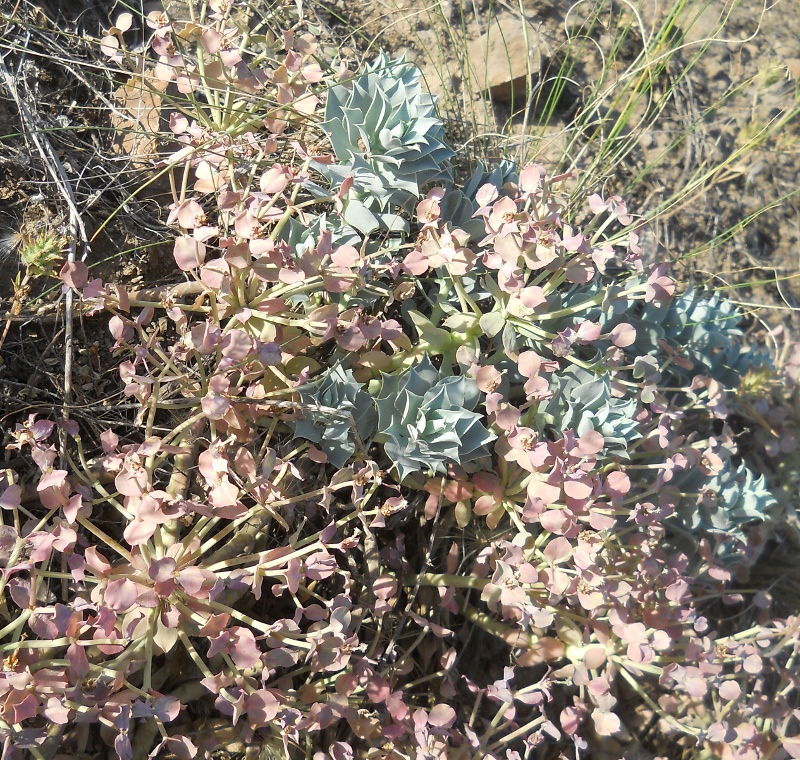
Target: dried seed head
[[36, 239], [9, 242]]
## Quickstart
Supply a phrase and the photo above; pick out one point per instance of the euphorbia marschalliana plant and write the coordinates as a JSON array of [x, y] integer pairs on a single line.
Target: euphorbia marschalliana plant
[[354, 449]]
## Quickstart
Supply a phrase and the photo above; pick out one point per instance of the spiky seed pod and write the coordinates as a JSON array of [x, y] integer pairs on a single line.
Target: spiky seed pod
[[39, 248]]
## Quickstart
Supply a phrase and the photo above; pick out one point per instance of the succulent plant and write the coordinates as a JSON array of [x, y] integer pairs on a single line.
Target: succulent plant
[[304, 236], [340, 392], [572, 298], [724, 503], [582, 401], [504, 171], [386, 135], [425, 421], [706, 330]]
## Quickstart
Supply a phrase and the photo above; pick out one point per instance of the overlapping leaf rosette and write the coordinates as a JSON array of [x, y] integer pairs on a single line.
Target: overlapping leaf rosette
[[426, 422], [584, 402], [428, 494], [344, 416], [387, 139], [705, 330]]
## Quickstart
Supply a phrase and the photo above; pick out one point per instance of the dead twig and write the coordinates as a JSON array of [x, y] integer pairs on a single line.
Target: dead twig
[[56, 170]]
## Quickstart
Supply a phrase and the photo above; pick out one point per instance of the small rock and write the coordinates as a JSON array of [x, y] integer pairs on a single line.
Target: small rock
[[451, 9], [501, 60]]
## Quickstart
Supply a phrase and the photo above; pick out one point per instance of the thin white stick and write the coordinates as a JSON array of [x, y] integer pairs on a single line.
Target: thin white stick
[[78, 231]]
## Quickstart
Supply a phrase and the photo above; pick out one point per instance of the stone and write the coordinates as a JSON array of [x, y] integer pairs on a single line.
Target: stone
[[501, 59]]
